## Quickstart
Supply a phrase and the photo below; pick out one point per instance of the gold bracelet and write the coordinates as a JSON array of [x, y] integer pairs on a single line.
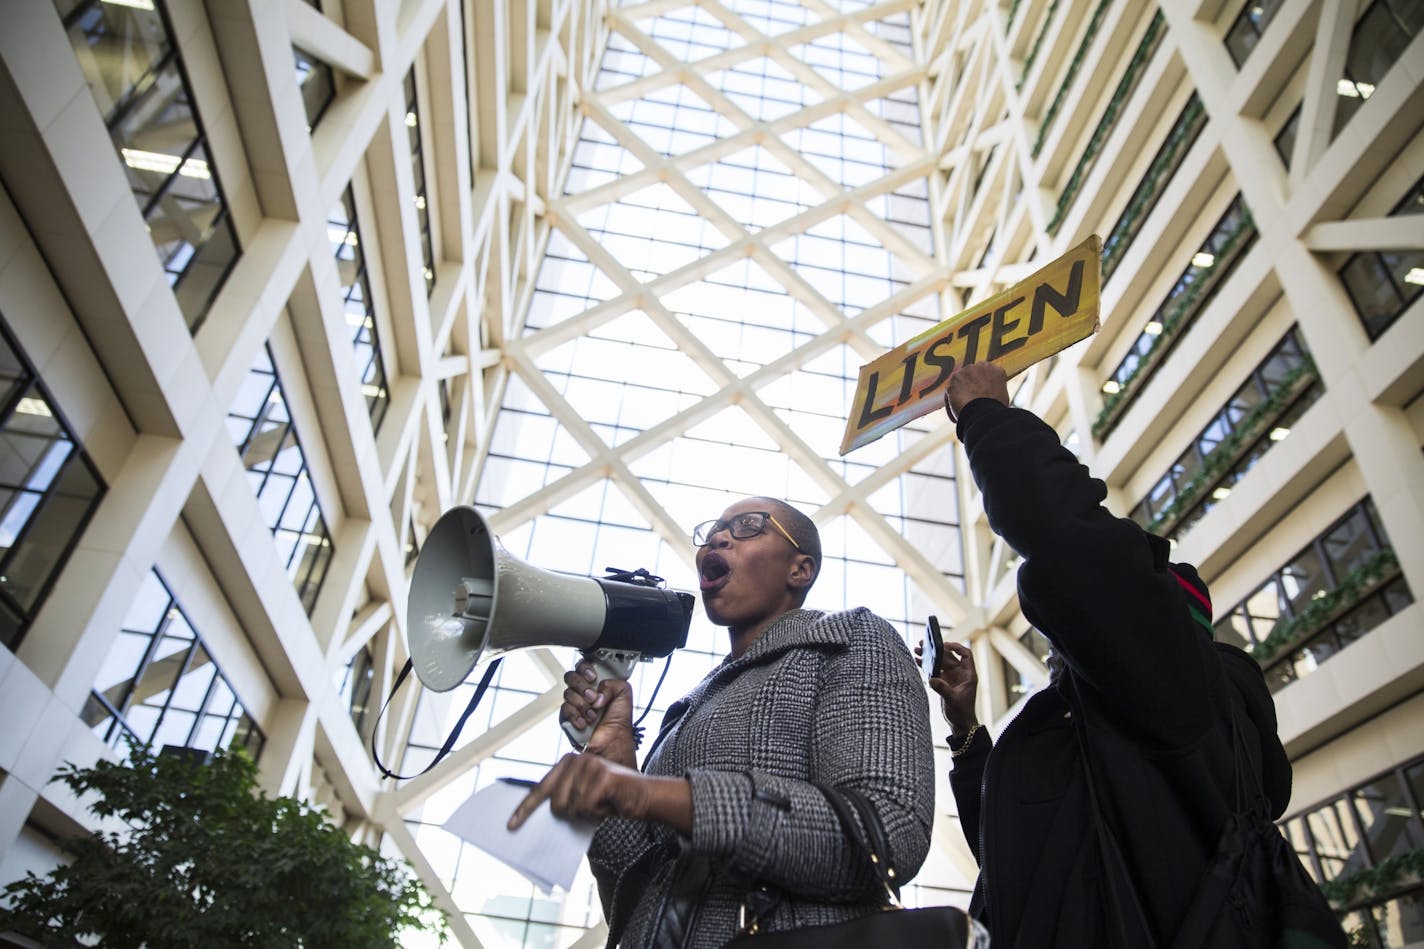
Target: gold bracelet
[[965, 746]]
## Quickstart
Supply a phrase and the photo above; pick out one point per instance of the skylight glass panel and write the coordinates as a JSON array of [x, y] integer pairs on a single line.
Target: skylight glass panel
[[598, 159], [673, 120], [763, 89], [567, 285], [622, 62], [843, 150], [771, 17], [652, 231], [690, 33], [755, 188], [843, 62]]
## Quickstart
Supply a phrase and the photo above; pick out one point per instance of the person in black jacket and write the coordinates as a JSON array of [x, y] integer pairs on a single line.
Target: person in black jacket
[[1137, 686]]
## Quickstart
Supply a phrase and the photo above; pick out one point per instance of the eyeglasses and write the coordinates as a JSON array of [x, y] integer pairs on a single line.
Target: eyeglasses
[[740, 526]]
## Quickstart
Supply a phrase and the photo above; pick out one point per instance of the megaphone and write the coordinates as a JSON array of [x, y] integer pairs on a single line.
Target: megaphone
[[470, 599]]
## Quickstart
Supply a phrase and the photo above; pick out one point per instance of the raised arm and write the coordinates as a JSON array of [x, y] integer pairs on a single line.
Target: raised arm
[[1095, 584]]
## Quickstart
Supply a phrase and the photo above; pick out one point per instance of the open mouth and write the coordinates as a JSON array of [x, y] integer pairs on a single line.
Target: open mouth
[[715, 572]]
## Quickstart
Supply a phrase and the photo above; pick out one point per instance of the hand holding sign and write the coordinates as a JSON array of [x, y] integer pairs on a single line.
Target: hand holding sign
[[1030, 321], [978, 380]]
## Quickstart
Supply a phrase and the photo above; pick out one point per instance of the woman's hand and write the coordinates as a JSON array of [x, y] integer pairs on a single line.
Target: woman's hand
[[613, 738], [957, 684], [589, 787]]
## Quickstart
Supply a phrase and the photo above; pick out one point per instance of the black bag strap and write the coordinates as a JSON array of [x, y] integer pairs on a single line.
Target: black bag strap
[[1125, 913], [454, 733]]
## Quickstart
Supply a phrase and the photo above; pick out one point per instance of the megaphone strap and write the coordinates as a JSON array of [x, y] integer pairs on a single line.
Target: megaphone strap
[[454, 733]]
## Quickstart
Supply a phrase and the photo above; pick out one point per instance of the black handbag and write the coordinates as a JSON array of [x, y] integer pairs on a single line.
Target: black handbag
[[1255, 893], [930, 927]]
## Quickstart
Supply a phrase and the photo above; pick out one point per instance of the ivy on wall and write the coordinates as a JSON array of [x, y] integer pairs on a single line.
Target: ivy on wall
[[1230, 449], [1391, 875], [1073, 66], [1381, 567], [1108, 122], [1038, 42], [1175, 317], [1154, 182]]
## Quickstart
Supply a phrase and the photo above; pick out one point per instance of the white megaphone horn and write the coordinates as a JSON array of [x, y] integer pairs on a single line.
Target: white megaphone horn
[[470, 599]]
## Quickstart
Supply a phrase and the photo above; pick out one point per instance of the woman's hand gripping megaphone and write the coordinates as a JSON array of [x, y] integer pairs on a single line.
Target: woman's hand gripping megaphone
[[602, 710]]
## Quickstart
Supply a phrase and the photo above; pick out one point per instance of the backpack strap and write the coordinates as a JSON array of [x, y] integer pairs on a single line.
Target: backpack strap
[[1126, 919]]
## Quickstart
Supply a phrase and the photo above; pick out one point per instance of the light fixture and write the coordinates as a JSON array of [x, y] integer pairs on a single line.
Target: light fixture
[[1415, 276], [420, 202], [1366, 89], [410, 120], [1347, 88], [1220, 493], [1153, 328], [165, 164], [1203, 259], [1279, 433], [1111, 387], [32, 406]]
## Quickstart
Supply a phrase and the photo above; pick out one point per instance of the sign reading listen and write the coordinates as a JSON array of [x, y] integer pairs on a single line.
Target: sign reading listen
[[1030, 321]]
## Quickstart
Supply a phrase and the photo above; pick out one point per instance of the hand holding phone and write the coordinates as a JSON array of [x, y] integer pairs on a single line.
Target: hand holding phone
[[933, 648]]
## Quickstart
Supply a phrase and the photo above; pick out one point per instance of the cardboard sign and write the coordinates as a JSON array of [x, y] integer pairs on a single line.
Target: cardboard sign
[[1030, 321]]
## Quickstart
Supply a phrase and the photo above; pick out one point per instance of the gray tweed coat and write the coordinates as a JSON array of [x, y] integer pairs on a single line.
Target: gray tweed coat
[[834, 698]]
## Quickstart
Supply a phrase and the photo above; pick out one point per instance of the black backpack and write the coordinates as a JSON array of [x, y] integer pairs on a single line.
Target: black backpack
[[1255, 893]]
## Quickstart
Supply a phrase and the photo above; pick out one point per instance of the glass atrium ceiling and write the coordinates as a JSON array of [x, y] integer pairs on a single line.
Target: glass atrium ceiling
[[746, 222]]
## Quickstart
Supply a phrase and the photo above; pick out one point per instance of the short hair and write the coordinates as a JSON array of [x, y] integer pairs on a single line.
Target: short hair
[[802, 529]]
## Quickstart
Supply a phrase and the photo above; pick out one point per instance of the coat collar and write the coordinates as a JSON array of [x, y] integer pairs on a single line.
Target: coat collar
[[792, 629]]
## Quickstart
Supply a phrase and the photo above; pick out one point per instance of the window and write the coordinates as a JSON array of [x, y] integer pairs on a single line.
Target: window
[[355, 687], [1383, 284], [317, 83], [1285, 138], [129, 57], [417, 173], [1206, 271], [1249, 26], [160, 686], [1159, 174], [1343, 839], [277, 470], [345, 236], [1125, 87], [1335, 590], [1380, 37], [1259, 414], [48, 491]]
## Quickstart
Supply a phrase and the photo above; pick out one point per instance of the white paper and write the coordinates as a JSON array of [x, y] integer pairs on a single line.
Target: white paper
[[546, 849]]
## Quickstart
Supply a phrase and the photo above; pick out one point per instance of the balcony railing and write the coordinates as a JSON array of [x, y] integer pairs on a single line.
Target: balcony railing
[[1234, 446], [1070, 75], [1168, 159], [1175, 317], [1108, 122], [1038, 42], [1295, 634]]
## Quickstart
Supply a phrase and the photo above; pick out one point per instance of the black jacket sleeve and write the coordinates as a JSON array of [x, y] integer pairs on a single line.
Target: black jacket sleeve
[[966, 780], [1096, 585]]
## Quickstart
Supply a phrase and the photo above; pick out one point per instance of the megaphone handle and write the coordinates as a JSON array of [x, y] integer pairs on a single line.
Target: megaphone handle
[[607, 664]]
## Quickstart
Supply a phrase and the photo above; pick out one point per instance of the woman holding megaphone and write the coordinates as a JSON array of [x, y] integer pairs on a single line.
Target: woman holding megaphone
[[725, 819]]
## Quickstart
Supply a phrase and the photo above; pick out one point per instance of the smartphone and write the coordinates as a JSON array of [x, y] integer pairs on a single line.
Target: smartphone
[[933, 648]]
